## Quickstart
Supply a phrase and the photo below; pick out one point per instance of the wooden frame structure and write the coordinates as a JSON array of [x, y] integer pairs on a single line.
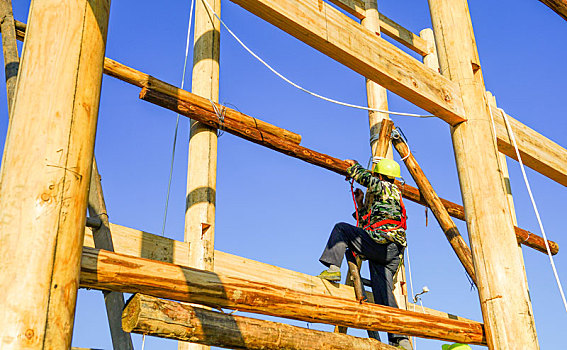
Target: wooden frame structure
[[56, 194]]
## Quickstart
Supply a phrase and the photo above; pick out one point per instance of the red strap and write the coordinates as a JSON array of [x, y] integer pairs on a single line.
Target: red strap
[[399, 223]]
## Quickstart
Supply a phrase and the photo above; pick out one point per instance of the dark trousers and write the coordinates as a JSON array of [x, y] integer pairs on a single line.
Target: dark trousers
[[383, 259]]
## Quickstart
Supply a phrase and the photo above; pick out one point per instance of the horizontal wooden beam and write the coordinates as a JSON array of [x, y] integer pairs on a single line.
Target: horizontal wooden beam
[[559, 6], [328, 30], [145, 245], [105, 270], [200, 109], [534, 145], [538, 152], [148, 315], [392, 29]]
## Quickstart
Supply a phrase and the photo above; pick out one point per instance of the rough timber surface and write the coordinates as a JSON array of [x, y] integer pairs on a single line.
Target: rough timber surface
[[111, 271]]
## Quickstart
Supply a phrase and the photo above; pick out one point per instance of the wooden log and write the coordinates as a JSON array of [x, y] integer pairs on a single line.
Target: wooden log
[[430, 60], [498, 265], [111, 271], [538, 152], [46, 169], [326, 29], [198, 109], [168, 319], [145, 245], [102, 237], [9, 49], [559, 6], [434, 203], [392, 29]]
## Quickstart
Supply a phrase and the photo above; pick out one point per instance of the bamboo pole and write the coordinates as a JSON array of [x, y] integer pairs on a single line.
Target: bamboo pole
[[46, 170], [200, 109], [169, 319], [10, 49], [434, 203], [202, 164], [114, 301], [105, 270], [498, 266]]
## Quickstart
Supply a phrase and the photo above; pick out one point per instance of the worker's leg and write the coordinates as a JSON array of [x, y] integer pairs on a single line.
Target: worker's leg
[[382, 270], [345, 236]]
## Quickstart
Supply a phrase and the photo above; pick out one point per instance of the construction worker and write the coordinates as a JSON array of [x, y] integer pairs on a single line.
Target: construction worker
[[379, 237]]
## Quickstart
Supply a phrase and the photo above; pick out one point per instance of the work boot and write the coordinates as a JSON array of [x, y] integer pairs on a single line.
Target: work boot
[[404, 344], [330, 276]]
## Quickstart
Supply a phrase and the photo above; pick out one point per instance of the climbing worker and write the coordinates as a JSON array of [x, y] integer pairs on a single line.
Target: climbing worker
[[379, 237]]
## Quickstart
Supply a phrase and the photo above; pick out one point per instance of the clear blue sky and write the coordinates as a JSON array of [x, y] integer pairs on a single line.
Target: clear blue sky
[[280, 210]]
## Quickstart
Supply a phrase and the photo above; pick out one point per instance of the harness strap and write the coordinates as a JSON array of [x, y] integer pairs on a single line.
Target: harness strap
[[399, 223]]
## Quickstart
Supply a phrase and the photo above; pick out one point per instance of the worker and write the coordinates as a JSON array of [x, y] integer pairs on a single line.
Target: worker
[[380, 236], [456, 346]]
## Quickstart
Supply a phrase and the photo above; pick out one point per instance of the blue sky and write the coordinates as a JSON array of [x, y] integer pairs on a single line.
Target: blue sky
[[280, 210]]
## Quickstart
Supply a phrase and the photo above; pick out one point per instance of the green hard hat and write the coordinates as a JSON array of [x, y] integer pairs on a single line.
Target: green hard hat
[[387, 167], [456, 346]]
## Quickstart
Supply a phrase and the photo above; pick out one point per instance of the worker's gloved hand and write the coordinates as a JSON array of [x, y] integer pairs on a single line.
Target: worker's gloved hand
[[350, 162]]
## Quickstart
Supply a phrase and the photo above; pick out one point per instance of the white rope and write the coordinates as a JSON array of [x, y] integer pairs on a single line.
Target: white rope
[[528, 187], [411, 289], [143, 341], [302, 88], [177, 119]]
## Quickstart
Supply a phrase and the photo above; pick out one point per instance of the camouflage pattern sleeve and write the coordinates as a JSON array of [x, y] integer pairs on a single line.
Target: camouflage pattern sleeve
[[362, 176]]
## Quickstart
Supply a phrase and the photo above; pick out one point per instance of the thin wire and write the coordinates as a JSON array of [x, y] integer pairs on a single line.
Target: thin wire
[[177, 120], [411, 288], [528, 187], [302, 88], [143, 341]]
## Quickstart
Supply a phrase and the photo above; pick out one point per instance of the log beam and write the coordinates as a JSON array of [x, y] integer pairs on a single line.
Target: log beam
[[9, 49], [169, 319], [392, 29], [326, 29], [46, 170], [434, 203], [145, 245], [200, 109], [559, 6], [104, 270], [102, 238], [540, 154]]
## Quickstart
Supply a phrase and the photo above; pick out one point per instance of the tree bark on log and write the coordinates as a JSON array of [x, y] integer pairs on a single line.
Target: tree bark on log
[[559, 6], [198, 108], [169, 319], [110, 271]]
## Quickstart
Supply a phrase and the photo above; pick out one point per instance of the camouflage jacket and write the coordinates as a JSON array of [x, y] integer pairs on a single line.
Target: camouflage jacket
[[384, 205]]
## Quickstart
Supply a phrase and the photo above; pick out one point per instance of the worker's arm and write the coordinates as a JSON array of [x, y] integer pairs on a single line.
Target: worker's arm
[[361, 175]]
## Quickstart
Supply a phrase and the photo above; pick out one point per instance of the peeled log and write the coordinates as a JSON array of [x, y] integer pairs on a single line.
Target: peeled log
[[110, 271], [559, 6], [169, 319]]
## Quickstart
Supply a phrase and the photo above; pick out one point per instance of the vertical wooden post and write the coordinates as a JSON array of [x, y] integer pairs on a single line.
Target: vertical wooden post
[[46, 170], [502, 287], [430, 60], [114, 301], [9, 48], [202, 171]]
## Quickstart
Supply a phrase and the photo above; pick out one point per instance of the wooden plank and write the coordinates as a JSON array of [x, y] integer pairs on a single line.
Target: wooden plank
[[9, 49], [537, 152], [532, 147], [169, 319], [328, 30], [45, 171], [105, 270], [559, 6], [145, 245], [200, 109], [392, 29], [498, 265], [434, 203], [102, 238]]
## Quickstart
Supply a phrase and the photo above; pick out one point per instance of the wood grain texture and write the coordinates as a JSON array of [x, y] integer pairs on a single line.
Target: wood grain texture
[[357, 8], [111, 271], [559, 6], [46, 170], [328, 30], [145, 245], [102, 238], [434, 203], [169, 319], [498, 265], [200, 109]]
